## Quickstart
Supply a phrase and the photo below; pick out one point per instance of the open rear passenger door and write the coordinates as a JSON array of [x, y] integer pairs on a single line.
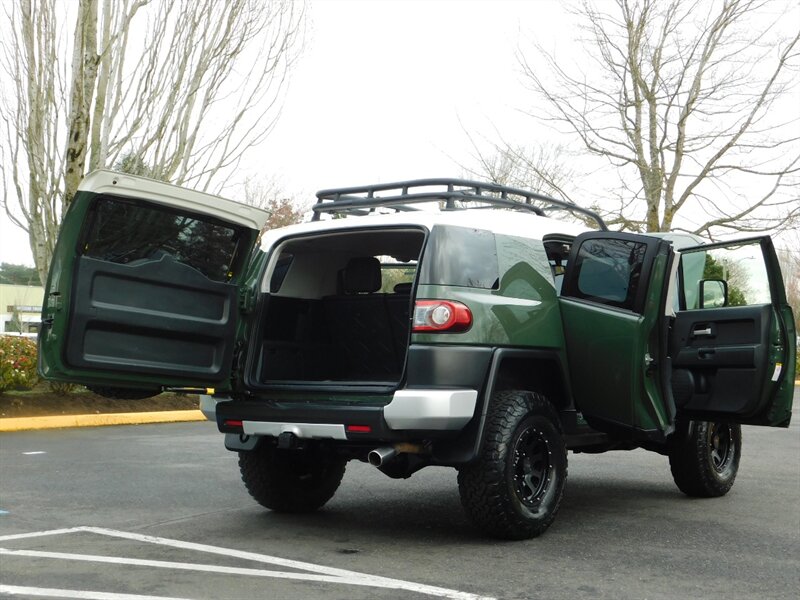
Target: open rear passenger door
[[143, 290], [612, 305]]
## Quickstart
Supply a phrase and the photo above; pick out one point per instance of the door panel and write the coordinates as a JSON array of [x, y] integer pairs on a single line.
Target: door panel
[[735, 362], [157, 317], [606, 358], [720, 356]]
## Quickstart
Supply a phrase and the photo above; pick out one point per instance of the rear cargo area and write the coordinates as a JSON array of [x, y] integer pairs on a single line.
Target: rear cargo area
[[336, 307]]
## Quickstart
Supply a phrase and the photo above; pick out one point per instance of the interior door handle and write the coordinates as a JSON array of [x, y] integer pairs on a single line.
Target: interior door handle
[[699, 332]]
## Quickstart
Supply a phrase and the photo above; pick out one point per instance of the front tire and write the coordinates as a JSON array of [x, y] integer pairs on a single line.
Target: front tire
[[514, 489], [704, 458], [291, 481]]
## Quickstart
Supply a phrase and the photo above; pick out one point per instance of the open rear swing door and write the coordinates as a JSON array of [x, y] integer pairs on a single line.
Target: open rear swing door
[[143, 290], [650, 337]]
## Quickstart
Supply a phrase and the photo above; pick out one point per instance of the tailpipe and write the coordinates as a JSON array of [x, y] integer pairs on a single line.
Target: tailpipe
[[380, 456]]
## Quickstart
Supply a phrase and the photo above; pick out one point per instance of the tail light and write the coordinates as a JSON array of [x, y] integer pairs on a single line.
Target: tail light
[[441, 315]]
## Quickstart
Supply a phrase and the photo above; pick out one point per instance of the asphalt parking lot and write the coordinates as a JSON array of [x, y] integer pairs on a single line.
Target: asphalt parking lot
[[158, 511]]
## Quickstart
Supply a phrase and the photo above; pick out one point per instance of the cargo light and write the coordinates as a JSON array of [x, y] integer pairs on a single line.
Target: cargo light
[[449, 316]]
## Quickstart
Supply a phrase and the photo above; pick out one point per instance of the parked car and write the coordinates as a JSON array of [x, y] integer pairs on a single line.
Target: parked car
[[481, 334]]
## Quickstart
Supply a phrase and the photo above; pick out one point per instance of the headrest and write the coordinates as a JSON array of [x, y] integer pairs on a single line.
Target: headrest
[[362, 275]]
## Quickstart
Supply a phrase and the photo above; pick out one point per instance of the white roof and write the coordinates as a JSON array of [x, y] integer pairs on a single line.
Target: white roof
[[507, 222], [142, 188]]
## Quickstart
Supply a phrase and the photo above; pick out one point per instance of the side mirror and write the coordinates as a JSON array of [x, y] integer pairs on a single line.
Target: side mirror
[[713, 293]]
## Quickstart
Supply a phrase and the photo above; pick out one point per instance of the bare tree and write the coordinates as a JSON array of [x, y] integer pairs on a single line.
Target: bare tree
[[788, 250], [542, 169], [682, 97], [268, 194], [183, 86]]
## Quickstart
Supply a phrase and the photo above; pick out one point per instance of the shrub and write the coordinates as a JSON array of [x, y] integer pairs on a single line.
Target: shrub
[[17, 363], [60, 388]]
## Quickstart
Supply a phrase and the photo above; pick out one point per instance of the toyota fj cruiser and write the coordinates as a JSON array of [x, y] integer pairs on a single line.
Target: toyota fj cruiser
[[479, 334]]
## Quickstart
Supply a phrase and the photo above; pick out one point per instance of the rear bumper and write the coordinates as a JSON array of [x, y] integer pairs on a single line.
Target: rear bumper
[[410, 413]]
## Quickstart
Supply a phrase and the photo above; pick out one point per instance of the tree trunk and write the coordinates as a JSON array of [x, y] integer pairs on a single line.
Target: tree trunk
[[84, 73]]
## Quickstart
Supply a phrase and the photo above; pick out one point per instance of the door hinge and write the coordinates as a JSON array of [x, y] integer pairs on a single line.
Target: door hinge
[[648, 360], [247, 298], [237, 360]]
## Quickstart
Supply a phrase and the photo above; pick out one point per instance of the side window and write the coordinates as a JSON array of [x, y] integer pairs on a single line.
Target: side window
[[123, 231], [397, 277], [740, 266], [460, 256], [609, 271], [281, 269]]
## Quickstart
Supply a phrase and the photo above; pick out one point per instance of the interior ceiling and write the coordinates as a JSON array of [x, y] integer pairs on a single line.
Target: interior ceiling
[[402, 244]]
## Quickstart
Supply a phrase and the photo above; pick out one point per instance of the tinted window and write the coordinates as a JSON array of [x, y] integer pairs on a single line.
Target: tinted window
[[279, 274], [609, 271], [460, 256], [123, 231]]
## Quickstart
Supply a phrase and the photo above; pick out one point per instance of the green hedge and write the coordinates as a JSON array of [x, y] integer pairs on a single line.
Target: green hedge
[[17, 363]]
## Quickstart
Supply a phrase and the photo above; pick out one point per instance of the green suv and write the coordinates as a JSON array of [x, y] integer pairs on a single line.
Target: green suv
[[443, 322]]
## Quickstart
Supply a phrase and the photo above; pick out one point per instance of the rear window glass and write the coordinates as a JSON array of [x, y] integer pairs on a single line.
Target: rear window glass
[[460, 256], [609, 271], [125, 231]]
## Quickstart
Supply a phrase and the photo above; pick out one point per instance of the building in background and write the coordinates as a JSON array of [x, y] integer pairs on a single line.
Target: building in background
[[20, 309]]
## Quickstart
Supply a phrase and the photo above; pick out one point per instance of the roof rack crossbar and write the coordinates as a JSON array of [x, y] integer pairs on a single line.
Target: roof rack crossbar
[[356, 199]]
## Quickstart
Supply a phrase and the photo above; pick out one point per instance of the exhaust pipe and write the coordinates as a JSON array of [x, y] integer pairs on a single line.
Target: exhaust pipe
[[381, 456]]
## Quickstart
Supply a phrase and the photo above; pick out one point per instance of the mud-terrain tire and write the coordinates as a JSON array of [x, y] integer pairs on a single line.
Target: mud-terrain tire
[[514, 489], [704, 458], [291, 481]]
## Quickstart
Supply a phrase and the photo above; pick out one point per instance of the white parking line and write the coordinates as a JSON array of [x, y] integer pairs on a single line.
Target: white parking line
[[18, 590], [317, 573]]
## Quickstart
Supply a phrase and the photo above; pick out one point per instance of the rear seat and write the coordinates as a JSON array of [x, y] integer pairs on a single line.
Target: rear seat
[[398, 306], [360, 325]]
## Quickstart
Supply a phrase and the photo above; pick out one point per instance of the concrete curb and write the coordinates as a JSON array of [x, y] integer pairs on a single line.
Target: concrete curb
[[64, 421]]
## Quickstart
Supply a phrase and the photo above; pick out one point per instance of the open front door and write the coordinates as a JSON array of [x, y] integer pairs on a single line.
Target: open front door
[[143, 286], [733, 341], [612, 306]]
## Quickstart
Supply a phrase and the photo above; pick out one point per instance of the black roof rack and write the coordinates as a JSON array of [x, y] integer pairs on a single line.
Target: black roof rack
[[401, 195]]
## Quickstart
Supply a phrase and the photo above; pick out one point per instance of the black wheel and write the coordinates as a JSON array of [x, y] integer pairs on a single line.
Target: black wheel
[[293, 481], [704, 458], [515, 487], [122, 393]]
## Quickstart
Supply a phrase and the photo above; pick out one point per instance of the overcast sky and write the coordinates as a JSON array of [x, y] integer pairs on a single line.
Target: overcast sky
[[387, 91]]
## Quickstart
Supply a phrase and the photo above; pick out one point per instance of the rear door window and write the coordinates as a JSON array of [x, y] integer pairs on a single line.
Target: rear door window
[[124, 231]]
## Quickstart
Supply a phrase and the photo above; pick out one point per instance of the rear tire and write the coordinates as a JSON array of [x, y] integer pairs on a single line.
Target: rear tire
[[704, 458], [291, 481], [514, 489]]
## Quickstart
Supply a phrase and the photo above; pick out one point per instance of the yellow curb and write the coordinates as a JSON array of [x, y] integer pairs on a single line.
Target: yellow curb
[[62, 421]]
